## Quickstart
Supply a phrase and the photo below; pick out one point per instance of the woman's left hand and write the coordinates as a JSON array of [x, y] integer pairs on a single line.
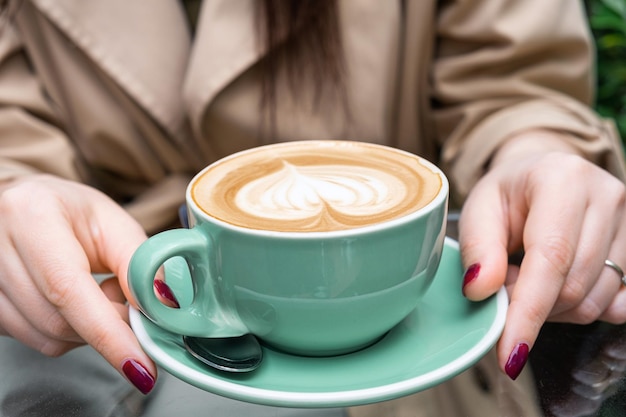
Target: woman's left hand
[[569, 216]]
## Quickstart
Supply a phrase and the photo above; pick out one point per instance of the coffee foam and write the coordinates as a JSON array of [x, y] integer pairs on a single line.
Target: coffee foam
[[315, 186]]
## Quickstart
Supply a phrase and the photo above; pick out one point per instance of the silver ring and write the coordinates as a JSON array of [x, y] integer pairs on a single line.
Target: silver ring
[[615, 267]]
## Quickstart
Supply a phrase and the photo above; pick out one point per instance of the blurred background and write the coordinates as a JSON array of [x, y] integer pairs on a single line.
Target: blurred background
[[607, 19]]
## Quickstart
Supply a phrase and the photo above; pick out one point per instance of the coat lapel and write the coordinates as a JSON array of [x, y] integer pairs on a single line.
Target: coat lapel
[[143, 46], [224, 47]]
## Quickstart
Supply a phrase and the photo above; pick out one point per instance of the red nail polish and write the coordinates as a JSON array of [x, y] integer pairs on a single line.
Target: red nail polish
[[517, 360], [166, 292], [138, 375], [470, 274]]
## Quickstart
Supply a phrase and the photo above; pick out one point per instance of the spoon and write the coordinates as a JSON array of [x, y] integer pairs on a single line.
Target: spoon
[[230, 354]]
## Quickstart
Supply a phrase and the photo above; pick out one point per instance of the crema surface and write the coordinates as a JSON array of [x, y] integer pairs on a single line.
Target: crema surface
[[315, 186]]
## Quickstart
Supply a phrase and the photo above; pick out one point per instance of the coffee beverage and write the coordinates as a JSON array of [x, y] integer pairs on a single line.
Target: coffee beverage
[[315, 186]]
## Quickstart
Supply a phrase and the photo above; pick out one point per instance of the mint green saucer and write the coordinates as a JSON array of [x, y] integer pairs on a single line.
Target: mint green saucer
[[445, 335]]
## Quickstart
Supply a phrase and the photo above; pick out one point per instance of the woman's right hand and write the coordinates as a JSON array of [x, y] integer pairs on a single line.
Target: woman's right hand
[[54, 234]]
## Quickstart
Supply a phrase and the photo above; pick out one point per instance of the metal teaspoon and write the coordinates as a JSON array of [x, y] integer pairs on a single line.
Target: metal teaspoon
[[230, 354]]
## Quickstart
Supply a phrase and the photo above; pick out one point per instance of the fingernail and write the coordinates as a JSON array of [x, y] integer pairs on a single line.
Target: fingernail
[[166, 292], [138, 375], [470, 275], [517, 360]]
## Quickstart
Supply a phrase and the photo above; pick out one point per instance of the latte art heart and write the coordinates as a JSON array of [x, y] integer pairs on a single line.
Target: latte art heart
[[315, 186], [313, 192]]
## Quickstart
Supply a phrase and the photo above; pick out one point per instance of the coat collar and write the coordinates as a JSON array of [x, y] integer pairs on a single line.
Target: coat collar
[[225, 46], [146, 48]]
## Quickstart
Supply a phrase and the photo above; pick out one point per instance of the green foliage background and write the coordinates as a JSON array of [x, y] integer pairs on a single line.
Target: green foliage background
[[607, 19]]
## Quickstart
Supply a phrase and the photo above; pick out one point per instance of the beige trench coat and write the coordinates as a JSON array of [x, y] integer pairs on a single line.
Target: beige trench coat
[[116, 94]]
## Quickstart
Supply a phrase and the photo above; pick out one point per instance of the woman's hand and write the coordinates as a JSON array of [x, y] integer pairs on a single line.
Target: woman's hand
[[53, 235], [569, 216]]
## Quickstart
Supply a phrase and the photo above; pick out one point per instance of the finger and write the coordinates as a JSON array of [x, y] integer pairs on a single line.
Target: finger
[[589, 288], [116, 236], [483, 240], [615, 312], [551, 235], [591, 285], [593, 305]]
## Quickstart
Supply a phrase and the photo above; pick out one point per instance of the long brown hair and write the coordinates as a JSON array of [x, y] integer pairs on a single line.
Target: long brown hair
[[303, 40]]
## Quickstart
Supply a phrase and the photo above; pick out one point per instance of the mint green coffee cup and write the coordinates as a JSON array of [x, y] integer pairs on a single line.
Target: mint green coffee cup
[[318, 248]]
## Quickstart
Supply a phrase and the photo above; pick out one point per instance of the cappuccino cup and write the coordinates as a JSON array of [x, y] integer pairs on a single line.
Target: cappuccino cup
[[318, 248]]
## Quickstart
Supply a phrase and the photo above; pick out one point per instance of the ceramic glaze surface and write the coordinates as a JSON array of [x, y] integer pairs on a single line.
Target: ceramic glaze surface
[[443, 336]]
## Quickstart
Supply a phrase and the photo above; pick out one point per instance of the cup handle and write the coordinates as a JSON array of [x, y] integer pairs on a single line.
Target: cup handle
[[208, 314]]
